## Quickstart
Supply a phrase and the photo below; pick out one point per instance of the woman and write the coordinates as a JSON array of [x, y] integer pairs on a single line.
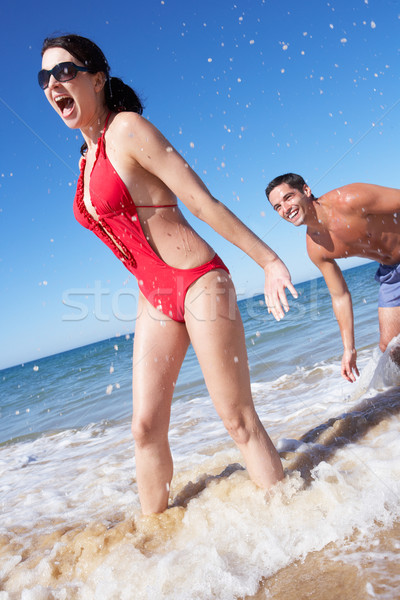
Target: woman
[[127, 195]]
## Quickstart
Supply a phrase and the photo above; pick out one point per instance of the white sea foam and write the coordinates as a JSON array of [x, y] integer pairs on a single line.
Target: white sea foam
[[223, 536]]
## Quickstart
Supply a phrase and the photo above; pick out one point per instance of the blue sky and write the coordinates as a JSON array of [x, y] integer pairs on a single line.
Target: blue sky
[[244, 89]]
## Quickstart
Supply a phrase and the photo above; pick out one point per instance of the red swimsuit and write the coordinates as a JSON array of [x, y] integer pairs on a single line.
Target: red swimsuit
[[164, 287]]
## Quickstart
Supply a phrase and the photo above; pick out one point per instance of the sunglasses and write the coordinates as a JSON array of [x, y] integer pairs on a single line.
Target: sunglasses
[[64, 71]]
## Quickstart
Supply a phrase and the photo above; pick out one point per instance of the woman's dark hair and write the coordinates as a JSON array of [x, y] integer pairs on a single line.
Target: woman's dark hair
[[119, 97]]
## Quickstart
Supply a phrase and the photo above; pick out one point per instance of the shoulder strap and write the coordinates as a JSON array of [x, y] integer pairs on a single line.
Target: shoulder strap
[[105, 126], [101, 147]]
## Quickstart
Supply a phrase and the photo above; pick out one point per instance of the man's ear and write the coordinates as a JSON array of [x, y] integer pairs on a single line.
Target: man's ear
[[307, 190]]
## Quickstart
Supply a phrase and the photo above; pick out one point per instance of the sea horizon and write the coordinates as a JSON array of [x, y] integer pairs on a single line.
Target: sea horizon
[[254, 295]]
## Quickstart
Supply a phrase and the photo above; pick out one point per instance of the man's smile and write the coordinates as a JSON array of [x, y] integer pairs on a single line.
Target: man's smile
[[292, 213]]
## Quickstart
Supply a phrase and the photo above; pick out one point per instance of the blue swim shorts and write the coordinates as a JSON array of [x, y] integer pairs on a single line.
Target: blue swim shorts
[[389, 292]]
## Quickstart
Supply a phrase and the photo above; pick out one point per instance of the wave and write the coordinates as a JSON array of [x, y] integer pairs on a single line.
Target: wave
[[77, 533]]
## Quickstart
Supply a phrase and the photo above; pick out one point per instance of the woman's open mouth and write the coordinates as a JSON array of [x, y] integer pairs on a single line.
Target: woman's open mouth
[[65, 104]]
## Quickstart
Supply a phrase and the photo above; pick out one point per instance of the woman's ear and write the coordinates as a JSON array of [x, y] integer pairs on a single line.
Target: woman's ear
[[99, 81]]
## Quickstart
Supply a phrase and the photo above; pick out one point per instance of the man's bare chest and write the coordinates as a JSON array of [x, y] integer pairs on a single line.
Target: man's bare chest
[[372, 236]]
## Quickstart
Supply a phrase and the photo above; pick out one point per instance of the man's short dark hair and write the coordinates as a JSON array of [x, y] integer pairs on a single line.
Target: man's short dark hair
[[295, 181]]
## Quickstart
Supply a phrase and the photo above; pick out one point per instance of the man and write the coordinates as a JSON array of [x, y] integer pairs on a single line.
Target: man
[[355, 220]]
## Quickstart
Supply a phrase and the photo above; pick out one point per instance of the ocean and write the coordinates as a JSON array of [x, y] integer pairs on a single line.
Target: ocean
[[70, 523]]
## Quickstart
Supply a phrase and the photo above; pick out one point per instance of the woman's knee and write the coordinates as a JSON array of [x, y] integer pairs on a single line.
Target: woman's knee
[[239, 427], [141, 430], [146, 430]]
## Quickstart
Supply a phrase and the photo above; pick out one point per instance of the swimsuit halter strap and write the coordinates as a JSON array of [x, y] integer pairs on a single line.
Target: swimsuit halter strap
[[105, 126]]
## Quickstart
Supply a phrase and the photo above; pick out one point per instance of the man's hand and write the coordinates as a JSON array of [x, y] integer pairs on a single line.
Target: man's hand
[[349, 365], [277, 278]]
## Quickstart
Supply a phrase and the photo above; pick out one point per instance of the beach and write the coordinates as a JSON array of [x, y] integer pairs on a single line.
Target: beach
[[71, 526]]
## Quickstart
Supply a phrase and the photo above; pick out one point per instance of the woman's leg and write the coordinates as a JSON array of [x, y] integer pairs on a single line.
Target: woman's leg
[[160, 345], [216, 332]]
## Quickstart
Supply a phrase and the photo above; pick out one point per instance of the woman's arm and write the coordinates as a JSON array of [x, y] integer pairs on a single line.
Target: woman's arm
[[145, 144]]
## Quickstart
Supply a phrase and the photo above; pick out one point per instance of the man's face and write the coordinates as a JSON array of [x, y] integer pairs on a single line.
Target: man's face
[[289, 203]]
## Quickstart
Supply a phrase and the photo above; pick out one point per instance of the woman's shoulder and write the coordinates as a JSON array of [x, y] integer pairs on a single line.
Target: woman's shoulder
[[124, 122], [130, 127], [123, 131], [127, 135]]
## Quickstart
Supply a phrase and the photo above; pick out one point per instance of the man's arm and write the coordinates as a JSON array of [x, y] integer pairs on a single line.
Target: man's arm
[[343, 309]]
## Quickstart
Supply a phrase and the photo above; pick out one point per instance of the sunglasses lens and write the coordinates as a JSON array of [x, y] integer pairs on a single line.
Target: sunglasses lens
[[43, 78], [64, 71]]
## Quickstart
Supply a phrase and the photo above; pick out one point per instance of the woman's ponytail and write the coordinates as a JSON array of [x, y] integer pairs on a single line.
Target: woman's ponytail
[[120, 97]]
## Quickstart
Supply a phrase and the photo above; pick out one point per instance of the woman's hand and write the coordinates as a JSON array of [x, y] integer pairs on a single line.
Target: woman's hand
[[277, 278]]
